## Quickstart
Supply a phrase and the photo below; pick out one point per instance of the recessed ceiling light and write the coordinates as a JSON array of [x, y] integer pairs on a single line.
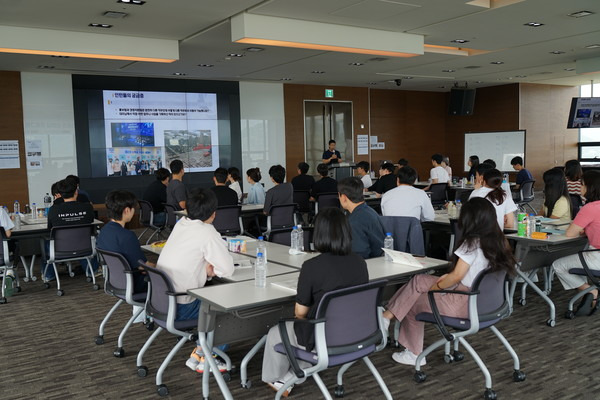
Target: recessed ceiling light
[[136, 2], [114, 14], [317, 72], [592, 46], [448, 70], [356, 64], [569, 69], [533, 24], [254, 49], [285, 79], [497, 62], [407, 77], [106, 26], [45, 67], [235, 55], [206, 65], [459, 41], [579, 14], [557, 52], [179, 73]]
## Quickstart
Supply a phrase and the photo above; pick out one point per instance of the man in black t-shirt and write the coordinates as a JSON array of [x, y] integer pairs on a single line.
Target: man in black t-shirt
[[331, 155], [225, 195], [386, 181], [156, 194], [325, 184], [303, 181]]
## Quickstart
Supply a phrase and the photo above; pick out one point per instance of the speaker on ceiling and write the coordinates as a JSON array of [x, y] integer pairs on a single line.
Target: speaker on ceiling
[[462, 101]]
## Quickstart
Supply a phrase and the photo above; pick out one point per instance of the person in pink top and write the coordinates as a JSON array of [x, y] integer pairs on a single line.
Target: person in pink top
[[587, 222], [482, 246]]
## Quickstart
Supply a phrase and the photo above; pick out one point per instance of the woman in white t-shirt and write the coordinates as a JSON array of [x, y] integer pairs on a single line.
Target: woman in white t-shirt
[[493, 191], [482, 241]]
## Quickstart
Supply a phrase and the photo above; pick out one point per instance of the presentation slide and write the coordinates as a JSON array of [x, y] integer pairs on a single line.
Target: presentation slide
[[584, 113], [147, 130]]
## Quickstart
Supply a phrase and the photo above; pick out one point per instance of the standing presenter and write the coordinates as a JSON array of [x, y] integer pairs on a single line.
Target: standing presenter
[[331, 155]]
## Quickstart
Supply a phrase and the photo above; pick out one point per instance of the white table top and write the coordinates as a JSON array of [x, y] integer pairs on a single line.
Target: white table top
[[278, 253], [245, 208], [379, 268], [41, 227], [552, 239]]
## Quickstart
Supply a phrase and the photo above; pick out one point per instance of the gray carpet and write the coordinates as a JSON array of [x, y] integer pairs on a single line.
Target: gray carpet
[[48, 352]]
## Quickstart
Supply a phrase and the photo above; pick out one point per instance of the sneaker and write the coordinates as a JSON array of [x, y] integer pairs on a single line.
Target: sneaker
[[220, 364], [278, 385], [407, 358], [193, 361]]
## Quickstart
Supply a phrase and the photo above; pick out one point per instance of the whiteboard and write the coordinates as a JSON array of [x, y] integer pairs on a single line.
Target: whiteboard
[[498, 146]]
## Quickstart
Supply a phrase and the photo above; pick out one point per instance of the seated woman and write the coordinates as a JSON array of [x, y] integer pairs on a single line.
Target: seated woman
[[482, 246], [492, 191], [256, 194], [335, 268], [573, 173], [557, 204], [587, 222]]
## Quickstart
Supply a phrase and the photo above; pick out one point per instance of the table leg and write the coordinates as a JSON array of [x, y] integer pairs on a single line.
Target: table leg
[[244, 366], [202, 337], [552, 321]]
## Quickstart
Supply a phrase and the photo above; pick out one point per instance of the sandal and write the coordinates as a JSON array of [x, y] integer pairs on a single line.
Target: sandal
[[585, 306]]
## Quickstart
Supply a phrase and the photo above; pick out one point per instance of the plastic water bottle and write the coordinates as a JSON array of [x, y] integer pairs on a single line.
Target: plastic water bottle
[[17, 207], [300, 238], [458, 207], [388, 243], [530, 224], [17, 220], [262, 248], [47, 203], [33, 210], [260, 271], [294, 241]]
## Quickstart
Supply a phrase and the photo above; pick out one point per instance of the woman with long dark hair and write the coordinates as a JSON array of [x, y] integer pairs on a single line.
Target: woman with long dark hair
[[557, 204], [573, 172], [587, 222], [482, 246], [335, 268], [234, 179], [473, 163], [503, 204]]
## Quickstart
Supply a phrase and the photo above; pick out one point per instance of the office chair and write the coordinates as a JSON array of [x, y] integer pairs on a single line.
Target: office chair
[[161, 305], [228, 220], [280, 218], [576, 204], [119, 283], [526, 195], [147, 220], [302, 198], [592, 274], [6, 265], [488, 305], [71, 243], [171, 216], [438, 194], [325, 200], [348, 328]]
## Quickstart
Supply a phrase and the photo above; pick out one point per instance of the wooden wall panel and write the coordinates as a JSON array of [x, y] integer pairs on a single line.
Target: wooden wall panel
[[544, 111], [294, 96], [14, 181]]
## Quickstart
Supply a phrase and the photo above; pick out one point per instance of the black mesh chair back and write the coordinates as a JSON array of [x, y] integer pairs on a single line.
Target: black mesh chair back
[[438, 193], [325, 200], [72, 241], [4, 252], [464, 195], [171, 216], [282, 216], [576, 204], [157, 304], [455, 236], [227, 220], [492, 303], [302, 198], [526, 191], [117, 267], [146, 213]]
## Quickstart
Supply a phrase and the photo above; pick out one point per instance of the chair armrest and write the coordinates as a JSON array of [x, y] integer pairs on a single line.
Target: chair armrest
[[303, 320], [177, 294], [436, 312], [586, 268], [285, 339]]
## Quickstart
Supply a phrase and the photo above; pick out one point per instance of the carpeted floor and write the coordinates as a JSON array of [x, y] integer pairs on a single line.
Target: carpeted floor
[[47, 351]]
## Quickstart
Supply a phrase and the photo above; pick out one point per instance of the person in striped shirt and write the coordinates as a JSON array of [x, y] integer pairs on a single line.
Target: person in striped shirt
[[573, 173]]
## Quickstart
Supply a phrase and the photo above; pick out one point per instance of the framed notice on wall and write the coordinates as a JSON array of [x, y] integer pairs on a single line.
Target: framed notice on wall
[[9, 154]]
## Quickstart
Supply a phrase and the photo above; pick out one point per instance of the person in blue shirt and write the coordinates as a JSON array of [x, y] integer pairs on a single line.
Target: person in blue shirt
[[367, 230], [256, 192], [120, 207], [523, 174], [331, 155]]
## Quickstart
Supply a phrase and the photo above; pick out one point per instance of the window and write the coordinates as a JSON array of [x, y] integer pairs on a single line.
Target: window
[[589, 138]]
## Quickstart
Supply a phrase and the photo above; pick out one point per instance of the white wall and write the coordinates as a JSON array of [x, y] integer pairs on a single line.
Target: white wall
[[48, 116], [263, 128]]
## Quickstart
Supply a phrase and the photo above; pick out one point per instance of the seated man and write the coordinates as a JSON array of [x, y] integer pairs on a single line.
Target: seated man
[[325, 184], [386, 181], [120, 208], [281, 193], [6, 222], [303, 181], [82, 196], [367, 230], [480, 171], [437, 174], [69, 212], [225, 195], [176, 192], [156, 194], [523, 174], [362, 170], [190, 262], [406, 200]]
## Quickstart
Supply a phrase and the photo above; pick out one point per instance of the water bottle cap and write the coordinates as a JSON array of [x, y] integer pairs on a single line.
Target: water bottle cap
[[261, 238], [532, 215], [259, 254], [388, 234], [295, 227], [457, 201]]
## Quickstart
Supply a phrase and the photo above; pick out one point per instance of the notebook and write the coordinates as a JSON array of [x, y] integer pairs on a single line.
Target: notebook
[[407, 259], [290, 284]]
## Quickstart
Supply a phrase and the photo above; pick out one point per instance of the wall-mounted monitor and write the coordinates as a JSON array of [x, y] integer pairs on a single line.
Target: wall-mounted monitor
[[584, 113]]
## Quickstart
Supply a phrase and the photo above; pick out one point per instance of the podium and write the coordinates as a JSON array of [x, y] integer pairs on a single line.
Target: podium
[[339, 171]]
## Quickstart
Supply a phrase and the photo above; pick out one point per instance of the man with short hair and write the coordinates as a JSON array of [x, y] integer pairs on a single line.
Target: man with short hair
[[331, 155], [386, 181], [367, 230], [324, 185], [82, 196], [406, 200], [176, 192], [281, 193], [490, 162], [120, 208], [523, 174], [303, 181], [156, 195], [225, 195], [362, 170], [438, 174]]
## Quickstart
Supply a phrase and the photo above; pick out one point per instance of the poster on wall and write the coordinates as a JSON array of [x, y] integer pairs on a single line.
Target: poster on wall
[[362, 144], [9, 154], [33, 154]]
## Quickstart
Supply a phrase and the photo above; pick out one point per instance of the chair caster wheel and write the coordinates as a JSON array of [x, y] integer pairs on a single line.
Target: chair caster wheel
[[99, 340], [34, 278], [88, 279], [46, 285], [458, 356], [60, 292], [570, 314], [3, 300], [551, 323], [72, 274], [489, 394], [519, 376], [96, 287], [150, 326], [420, 376], [522, 301], [26, 279], [339, 391], [162, 390], [142, 371], [119, 352], [18, 289], [448, 358], [396, 344], [247, 384]]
